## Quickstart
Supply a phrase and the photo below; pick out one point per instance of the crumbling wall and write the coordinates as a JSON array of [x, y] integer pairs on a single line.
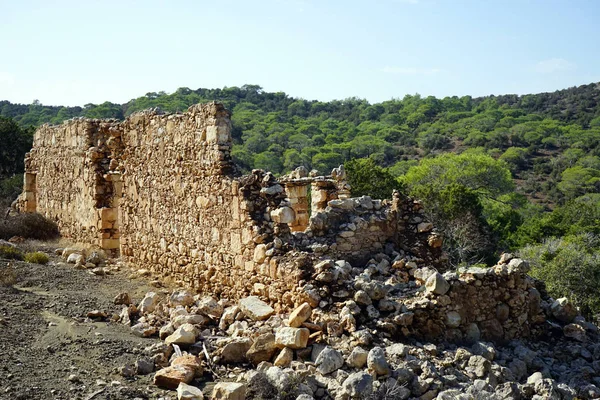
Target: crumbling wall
[[64, 180], [498, 304]]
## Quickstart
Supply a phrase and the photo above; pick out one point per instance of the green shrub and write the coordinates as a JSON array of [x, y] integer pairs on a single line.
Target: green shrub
[[29, 226], [570, 267], [37, 257], [11, 253]]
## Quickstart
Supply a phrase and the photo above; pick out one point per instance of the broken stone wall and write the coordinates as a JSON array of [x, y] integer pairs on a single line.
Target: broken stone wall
[[63, 179]]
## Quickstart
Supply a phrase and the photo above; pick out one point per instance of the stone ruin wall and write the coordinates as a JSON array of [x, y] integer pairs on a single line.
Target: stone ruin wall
[[161, 191], [62, 179]]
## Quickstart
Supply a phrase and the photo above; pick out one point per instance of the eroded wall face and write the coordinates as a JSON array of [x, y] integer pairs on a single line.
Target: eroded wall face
[[61, 179]]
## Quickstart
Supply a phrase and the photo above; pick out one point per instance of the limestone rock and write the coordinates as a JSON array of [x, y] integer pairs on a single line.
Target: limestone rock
[[171, 377], [563, 310], [210, 307], [143, 329], [575, 331], [294, 338], [235, 351], [148, 303], [189, 361], [187, 392], [122, 298], [181, 298], [358, 385], [437, 284], [376, 361], [186, 334], [300, 315], [284, 358], [329, 360], [75, 258], [229, 391], [256, 309], [358, 357], [262, 349]]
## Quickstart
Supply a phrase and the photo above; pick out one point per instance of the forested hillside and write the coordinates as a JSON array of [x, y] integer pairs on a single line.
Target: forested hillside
[[497, 172]]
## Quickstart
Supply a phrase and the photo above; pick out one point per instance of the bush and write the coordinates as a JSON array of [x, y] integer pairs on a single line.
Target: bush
[[570, 267], [11, 253], [29, 226], [37, 257]]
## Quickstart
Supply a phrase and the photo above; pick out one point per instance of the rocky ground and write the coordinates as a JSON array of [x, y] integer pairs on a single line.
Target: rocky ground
[[84, 328], [50, 349]]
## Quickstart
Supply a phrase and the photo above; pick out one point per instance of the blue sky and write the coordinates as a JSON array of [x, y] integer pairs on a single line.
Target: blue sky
[[78, 52]]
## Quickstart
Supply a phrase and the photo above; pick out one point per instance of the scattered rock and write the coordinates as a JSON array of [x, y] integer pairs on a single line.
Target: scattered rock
[[229, 391], [171, 377], [186, 334], [376, 361], [329, 360], [294, 338], [300, 315], [187, 392], [256, 309]]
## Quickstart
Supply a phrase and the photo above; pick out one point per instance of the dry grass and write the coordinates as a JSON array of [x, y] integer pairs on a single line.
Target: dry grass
[[28, 226], [8, 276]]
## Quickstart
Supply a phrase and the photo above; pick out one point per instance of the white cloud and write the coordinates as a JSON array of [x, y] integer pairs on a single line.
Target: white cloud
[[554, 65], [410, 70]]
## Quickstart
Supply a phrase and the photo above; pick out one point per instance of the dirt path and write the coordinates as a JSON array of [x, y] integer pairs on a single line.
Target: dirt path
[[50, 350]]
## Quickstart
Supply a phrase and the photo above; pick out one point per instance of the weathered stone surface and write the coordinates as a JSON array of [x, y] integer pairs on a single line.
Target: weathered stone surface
[[284, 358], [294, 338], [262, 349], [235, 351], [256, 309], [186, 334], [329, 360], [187, 392], [171, 377], [122, 298], [358, 385], [358, 357], [563, 310], [229, 391], [376, 361], [181, 298], [300, 315], [437, 284], [148, 303]]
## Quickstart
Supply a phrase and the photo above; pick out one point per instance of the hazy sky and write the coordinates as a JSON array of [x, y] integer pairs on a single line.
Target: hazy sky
[[78, 52]]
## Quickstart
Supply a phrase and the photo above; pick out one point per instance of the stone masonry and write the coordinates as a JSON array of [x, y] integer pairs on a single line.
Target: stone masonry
[[161, 192]]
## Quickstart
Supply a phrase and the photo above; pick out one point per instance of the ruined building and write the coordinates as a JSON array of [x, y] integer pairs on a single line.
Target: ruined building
[[161, 192]]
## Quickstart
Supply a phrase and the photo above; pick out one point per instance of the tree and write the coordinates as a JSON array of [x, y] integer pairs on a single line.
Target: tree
[[455, 189], [15, 142], [366, 178]]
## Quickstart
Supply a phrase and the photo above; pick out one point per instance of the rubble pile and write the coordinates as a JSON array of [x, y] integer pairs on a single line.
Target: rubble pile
[[368, 341]]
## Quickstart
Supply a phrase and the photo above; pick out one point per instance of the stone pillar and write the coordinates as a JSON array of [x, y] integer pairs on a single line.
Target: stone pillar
[[297, 194], [110, 238], [28, 198], [322, 191]]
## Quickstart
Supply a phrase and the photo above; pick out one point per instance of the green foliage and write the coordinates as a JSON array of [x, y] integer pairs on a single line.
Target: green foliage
[[14, 143], [9, 189], [570, 266], [368, 179], [473, 170], [11, 253], [36, 257]]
